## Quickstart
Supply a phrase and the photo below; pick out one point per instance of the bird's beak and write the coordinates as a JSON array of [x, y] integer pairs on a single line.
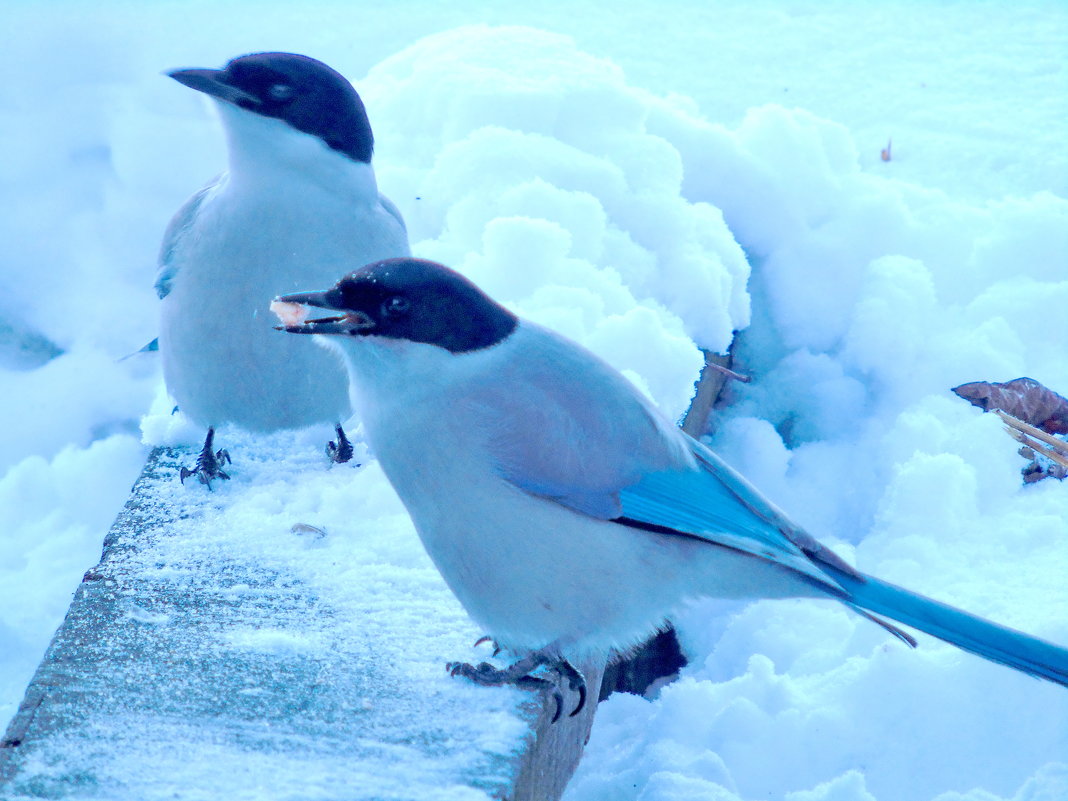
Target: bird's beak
[[292, 311], [213, 82]]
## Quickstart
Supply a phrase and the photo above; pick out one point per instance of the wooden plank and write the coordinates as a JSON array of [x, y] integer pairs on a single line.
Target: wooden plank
[[192, 666], [708, 387]]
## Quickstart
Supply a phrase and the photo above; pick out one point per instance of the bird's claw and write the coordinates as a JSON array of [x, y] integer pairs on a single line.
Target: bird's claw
[[207, 469], [341, 451], [482, 673], [487, 639], [519, 674], [209, 463], [575, 682], [544, 685]]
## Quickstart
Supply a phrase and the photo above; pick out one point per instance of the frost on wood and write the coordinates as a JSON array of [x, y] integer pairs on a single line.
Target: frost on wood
[[1032, 415], [220, 646]]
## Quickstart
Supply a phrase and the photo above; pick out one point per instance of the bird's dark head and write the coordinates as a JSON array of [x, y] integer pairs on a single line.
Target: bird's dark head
[[404, 299], [302, 92]]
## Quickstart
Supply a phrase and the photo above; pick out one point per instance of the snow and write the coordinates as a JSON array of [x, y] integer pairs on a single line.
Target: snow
[[645, 180], [235, 650]]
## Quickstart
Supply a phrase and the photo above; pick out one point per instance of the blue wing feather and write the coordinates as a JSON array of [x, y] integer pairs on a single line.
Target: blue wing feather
[[150, 347], [715, 503], [718, 505]]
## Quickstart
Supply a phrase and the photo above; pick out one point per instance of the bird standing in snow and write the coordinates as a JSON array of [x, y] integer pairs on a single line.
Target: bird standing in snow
[[567, 515], [298, 206]]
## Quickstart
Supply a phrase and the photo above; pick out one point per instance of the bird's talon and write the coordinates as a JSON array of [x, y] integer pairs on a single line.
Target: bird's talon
[[558, 697], [575, 682], [519, 674], [341, 451], [581, 701], [464, 669], [486, 638], [208, 464], [535, 683]]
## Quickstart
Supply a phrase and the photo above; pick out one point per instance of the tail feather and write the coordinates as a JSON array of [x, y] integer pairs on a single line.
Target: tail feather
[[966, 631]]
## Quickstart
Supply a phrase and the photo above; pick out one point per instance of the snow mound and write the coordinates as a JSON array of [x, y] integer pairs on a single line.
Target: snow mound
[[530, 166]]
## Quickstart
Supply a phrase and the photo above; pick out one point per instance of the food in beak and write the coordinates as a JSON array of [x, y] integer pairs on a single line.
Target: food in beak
[[291, 314]]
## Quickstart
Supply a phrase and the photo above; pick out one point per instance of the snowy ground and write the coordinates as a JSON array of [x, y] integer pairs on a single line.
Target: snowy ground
[[646, 185]]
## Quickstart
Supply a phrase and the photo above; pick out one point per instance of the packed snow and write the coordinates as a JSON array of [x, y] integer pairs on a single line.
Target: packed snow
[[645, 181]]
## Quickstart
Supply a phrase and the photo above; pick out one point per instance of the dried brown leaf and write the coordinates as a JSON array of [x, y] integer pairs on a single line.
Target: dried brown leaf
[[1023, 398]]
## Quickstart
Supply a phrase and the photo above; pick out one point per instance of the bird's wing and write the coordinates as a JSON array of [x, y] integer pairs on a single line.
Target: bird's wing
[[563, 425], [575, 432], [149, 347], [176, 229], [714, 503]]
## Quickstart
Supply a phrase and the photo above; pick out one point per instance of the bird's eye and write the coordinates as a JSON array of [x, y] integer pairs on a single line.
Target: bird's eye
[[280, 91], [396, 305]]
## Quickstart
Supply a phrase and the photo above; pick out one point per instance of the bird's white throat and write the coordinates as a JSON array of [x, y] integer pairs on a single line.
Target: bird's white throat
[[265, 151]]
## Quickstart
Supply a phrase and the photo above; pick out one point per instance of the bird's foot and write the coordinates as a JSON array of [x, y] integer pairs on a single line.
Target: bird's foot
[[209, 463], [520, 674], [341, 451]]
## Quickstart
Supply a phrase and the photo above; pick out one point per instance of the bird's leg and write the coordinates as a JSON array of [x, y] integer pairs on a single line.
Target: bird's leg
[[209, 462], [520, 674], [340, 451]]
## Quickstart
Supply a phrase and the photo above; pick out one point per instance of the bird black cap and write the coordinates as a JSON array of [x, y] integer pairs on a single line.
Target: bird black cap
[[303, 92], [413, 299]]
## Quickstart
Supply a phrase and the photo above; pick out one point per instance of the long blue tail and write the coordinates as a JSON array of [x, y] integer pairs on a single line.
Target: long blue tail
[[966, 631]]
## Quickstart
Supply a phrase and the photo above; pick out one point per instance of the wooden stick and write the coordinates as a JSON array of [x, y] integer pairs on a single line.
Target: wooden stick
[[1049, 453], [1058, 445]]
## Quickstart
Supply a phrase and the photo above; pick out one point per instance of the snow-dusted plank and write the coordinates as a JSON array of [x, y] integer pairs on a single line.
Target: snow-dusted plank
[[216, 653]]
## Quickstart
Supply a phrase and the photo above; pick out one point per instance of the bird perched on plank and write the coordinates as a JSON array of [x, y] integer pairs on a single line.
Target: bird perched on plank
[[567, 515], [297, 205]]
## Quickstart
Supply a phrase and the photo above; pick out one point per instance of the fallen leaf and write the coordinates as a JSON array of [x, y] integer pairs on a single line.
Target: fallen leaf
[[1023, 398]]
